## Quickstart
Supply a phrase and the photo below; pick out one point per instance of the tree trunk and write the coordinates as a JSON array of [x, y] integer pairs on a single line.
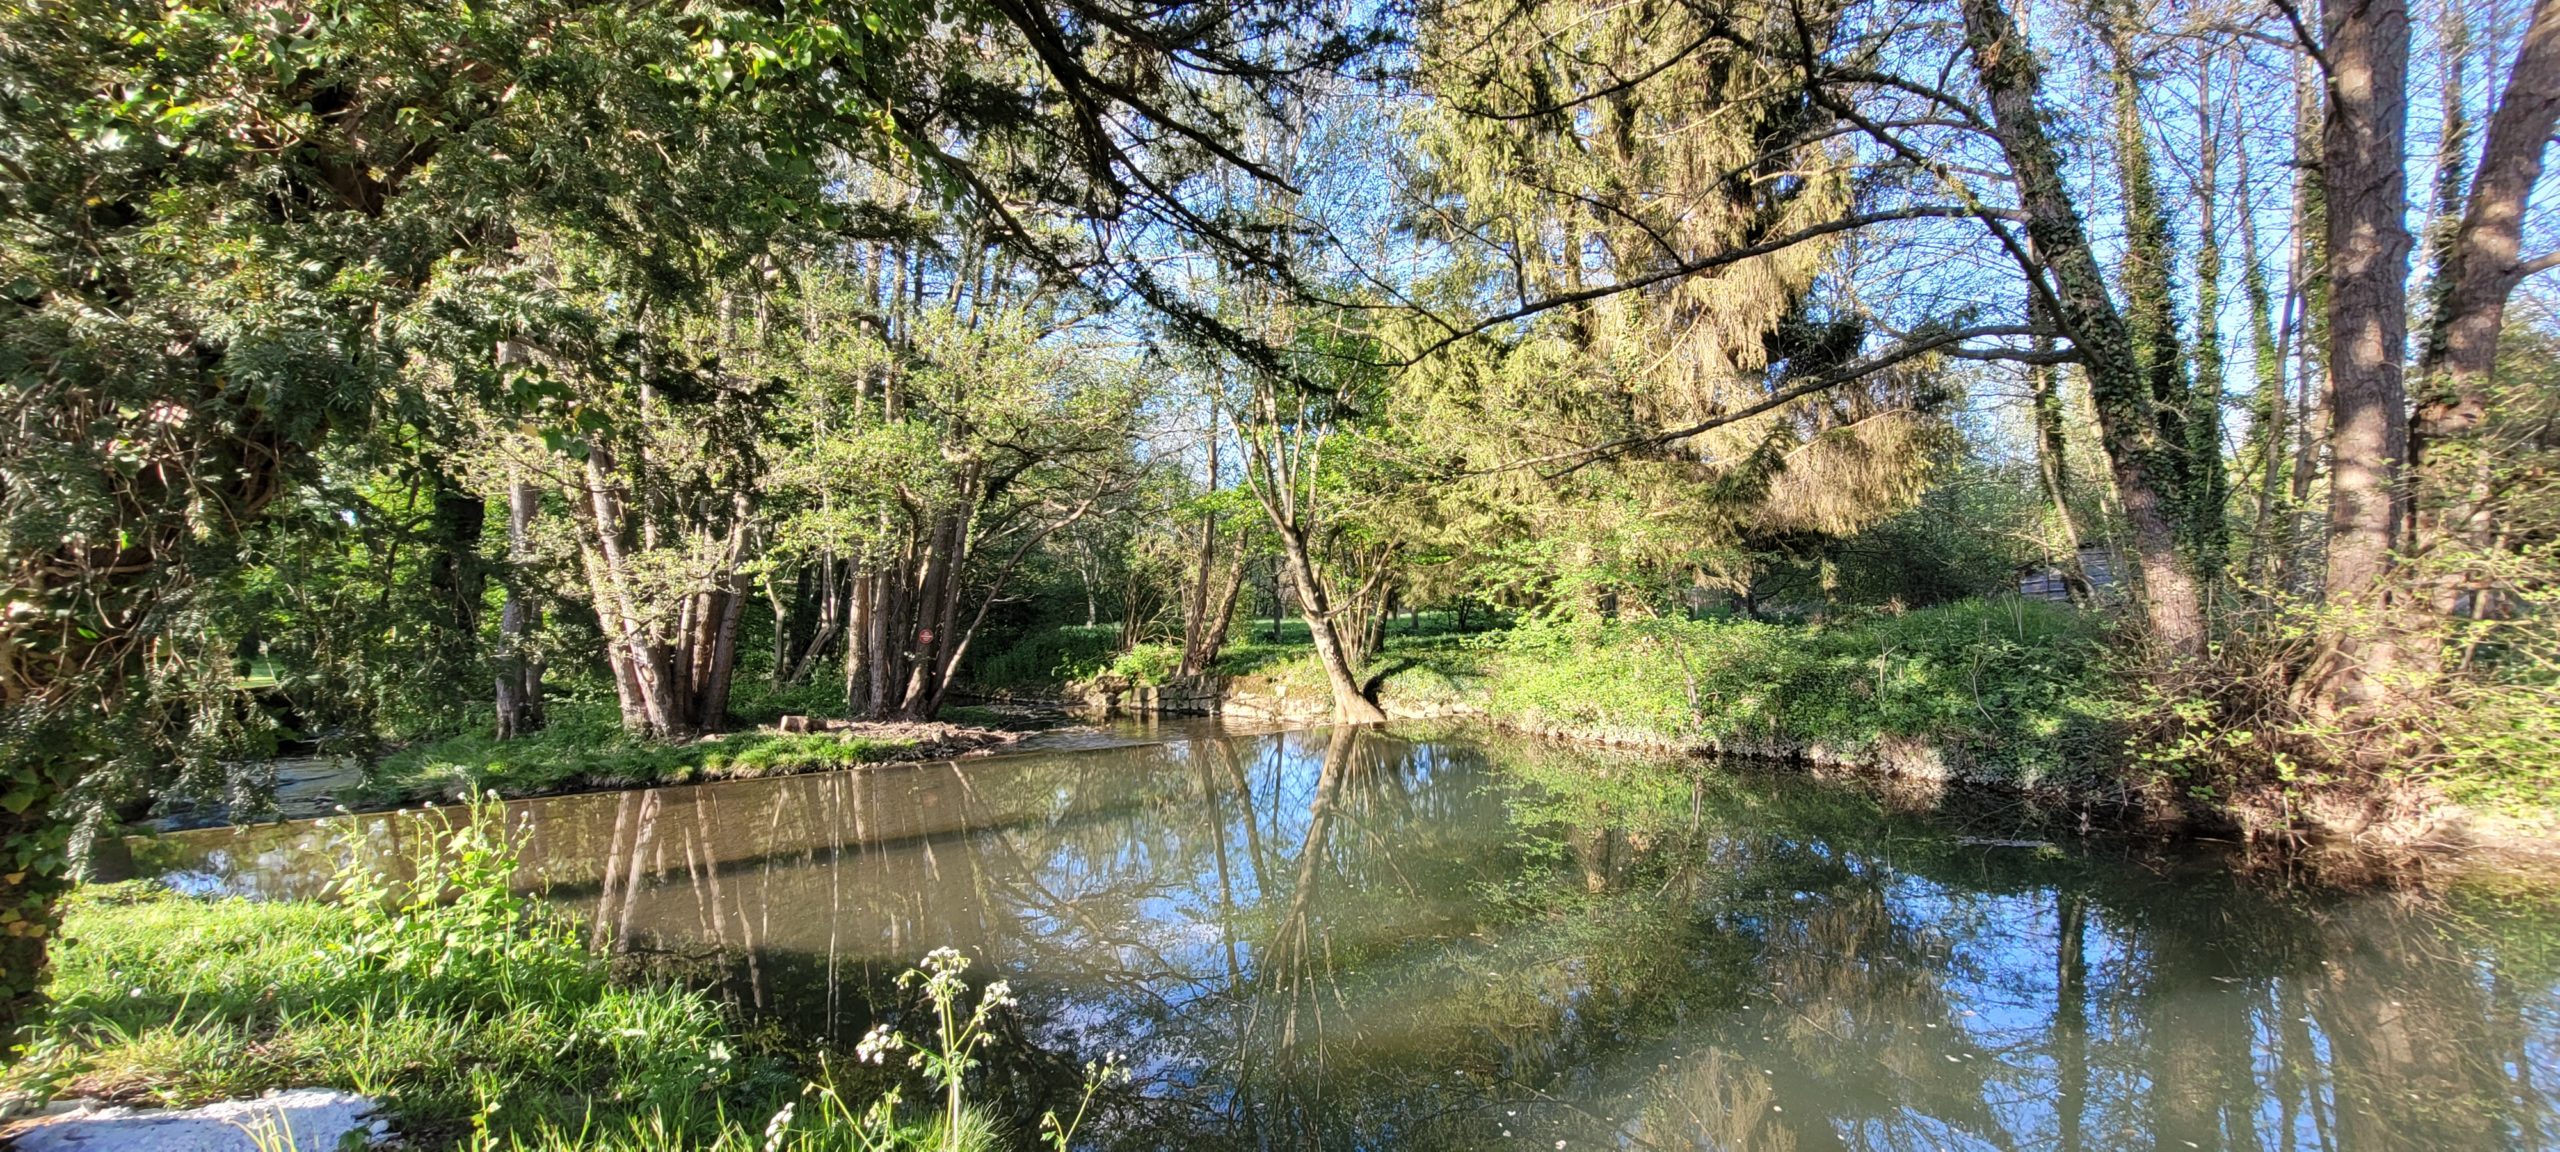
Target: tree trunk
[[519, 668], [2118, 389], [2207, 486], [2190, 458], [2267, 408], [2363, 165], [859, 645], [1222, 612], [2053, 466], [460, 579], [1350, 704], [2480, 267], [671, 675], [2311, 264], [1195, 618], [832, 608]]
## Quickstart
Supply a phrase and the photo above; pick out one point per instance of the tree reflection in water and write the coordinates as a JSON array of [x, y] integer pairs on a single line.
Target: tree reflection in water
[[1415, 939]]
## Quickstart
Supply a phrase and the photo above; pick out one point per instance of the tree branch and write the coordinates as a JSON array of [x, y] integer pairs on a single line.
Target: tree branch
[[1943, 341], [1707, 263]]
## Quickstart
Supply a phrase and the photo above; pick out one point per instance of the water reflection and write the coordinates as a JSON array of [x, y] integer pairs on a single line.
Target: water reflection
[[1382, 939]]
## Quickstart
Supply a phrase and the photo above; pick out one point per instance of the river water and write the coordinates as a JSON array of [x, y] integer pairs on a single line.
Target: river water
[[1438, 938]]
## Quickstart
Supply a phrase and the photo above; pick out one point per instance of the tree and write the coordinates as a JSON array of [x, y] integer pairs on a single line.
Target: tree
[[2365, 49], [934, 463], [1543, 173], [1296, 427], [230, 230], [2479, 263]]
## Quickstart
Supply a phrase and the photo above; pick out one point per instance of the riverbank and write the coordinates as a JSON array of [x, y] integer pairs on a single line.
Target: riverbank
[[2020, 695], [470, 1016], [587, 750], [1665, 918]]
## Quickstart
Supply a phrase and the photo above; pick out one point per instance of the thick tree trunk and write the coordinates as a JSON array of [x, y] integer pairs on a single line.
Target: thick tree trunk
[[456, 519], [936, 605], [2481, 264], [2482, 268], [859, 644], [2363, 165], [2118, 387]]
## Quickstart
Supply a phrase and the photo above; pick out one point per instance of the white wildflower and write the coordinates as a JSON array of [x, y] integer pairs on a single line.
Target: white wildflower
[[877, 1044], [777, 1127]]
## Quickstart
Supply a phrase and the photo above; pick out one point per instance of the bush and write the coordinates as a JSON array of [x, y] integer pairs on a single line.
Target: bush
[[1042, 661], [1147, 663]]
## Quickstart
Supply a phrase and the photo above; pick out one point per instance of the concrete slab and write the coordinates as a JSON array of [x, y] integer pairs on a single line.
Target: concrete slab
[[300, 1120]]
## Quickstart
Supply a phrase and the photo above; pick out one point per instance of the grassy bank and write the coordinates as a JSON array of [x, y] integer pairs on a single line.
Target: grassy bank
[[1041, 663], [2006, 691], [586, 748], [476, 1017]]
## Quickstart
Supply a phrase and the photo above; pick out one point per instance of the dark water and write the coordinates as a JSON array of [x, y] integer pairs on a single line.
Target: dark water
[[1429, 939]]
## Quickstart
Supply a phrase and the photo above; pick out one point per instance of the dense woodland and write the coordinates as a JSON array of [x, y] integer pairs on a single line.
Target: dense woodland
[[385, 372]]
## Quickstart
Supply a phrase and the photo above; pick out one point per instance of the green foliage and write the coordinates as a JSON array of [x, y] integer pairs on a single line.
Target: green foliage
[[1046, 658], [1149, 663], [2004, 689]]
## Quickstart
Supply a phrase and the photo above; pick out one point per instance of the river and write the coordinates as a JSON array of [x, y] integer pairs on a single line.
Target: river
[[1435, 937]]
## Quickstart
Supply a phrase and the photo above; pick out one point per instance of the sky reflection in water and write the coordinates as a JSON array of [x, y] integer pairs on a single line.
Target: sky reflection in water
[[1431, 938]]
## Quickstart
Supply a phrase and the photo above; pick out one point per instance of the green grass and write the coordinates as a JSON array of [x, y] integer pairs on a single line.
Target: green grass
[[585, 747], [477, 1017], [2003, 690], [1044, 661]]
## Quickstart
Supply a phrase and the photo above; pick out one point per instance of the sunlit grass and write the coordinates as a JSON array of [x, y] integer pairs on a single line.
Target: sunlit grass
[[475, 1016]]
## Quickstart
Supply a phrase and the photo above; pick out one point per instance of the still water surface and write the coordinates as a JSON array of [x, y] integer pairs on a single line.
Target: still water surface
[[1442, 939]]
